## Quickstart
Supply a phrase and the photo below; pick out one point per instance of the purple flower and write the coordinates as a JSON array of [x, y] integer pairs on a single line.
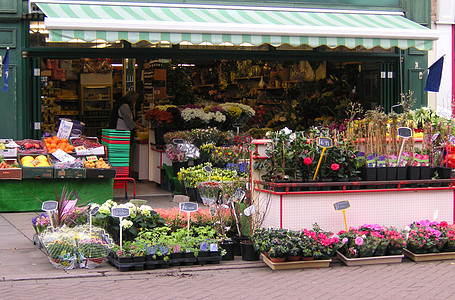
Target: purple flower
[[358, 241], [34, 221]]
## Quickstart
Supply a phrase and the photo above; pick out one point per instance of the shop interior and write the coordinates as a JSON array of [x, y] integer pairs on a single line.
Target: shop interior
[[296, 94]]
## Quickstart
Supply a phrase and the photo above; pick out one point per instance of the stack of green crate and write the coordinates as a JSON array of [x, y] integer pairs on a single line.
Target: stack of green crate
[[117, 143]]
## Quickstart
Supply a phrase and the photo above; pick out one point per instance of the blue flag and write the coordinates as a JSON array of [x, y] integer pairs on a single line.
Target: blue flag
[[434, 76], [6, 71]]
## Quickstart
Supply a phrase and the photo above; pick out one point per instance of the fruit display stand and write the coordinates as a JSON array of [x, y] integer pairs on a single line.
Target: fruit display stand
[[300, 205], [41, 183], [22, 195]]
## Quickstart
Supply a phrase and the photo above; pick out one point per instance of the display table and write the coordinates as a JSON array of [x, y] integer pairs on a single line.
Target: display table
[[21, 195], [388, 207]]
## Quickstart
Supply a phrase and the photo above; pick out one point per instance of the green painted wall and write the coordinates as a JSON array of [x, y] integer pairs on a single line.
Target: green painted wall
[[13, 109]]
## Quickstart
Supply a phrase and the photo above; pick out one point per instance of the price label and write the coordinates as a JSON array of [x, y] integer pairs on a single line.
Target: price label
[[62, 156], [80, 148], [64, 130], [120, 212], [404, 132], [188, 206], [434, 137], [324, 142], [91, 158], [208, 169], [95, 210], [35, 162], [49, 205], [341, 205], [178, 141]]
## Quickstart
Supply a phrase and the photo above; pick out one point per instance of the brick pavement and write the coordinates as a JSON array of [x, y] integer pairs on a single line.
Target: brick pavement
[[26, 274]]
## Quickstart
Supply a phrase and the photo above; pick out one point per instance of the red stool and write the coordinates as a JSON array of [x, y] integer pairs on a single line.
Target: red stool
[[120, 182]]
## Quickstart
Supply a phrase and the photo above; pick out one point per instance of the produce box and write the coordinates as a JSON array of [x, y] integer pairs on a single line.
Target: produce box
[[6, 151], [40, 171], [31, 147], [96, 172], [90, 146], [11, 173], [73, 169]]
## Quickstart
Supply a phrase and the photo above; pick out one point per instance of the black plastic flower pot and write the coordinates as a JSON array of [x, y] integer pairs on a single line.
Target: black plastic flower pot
[[368, 174], [425, 174], [229, 247], [381, 173], [413, 173], [237, 240], [401, 173], [391, 175], [248, 252]]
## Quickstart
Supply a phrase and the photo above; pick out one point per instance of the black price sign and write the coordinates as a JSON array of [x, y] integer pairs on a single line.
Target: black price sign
[[341, 205], [178, 141], [188, 206], [120, 212], [404, 132], [208, 169], [95, 210], [324, 142], [49, 205]]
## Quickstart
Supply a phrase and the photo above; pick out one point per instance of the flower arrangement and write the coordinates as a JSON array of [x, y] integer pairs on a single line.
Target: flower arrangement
[[192, 176], [209, 191], [223, 155], [184, 135], [159, 116], [40, 223]]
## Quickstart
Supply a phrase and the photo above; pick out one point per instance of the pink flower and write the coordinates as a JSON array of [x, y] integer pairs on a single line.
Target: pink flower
[[335, 166], [345, 240], [358, 241], [307, 161]]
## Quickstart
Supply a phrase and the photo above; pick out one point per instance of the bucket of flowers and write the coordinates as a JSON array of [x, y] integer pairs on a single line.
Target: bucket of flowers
[[209, 191]]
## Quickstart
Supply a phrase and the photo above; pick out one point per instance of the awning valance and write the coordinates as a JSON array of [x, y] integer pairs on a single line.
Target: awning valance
[[177, 23]]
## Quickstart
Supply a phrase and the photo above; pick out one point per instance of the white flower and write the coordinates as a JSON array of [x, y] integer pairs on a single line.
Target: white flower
[[145, 210], [126, 223], [286, 131], [292, 137], [105, 209]]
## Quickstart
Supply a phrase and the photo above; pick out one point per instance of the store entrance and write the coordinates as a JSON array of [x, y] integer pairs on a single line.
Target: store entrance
[[283, 93]]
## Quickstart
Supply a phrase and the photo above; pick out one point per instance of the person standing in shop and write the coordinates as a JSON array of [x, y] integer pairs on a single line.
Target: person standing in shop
[[124, 106]]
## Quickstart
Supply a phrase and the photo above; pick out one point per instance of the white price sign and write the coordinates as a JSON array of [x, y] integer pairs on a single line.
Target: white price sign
[[64, 130], [63, 156]]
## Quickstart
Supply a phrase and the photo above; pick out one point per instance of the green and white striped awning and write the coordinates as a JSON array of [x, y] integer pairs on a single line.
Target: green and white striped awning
[[197, 24]]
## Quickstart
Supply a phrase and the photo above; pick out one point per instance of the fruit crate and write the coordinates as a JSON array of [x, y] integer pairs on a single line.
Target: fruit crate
[[95, 147], [36, 172], [101, 173], [60, 172], [11, 173]]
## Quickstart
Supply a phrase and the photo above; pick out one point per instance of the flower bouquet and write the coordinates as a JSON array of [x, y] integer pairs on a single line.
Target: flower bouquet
[[397, 241], [60, 247], [93, 246], [40, 223], [209, 191]]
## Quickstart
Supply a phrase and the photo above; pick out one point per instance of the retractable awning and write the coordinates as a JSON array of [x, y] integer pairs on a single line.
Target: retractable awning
[[196, 24]]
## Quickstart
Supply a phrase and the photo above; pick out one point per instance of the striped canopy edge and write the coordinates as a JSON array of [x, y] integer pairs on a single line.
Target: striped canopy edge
[[226, 25]]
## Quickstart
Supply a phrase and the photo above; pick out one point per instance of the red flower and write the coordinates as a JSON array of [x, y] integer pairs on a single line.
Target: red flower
[[335, 166], [307, 161]]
